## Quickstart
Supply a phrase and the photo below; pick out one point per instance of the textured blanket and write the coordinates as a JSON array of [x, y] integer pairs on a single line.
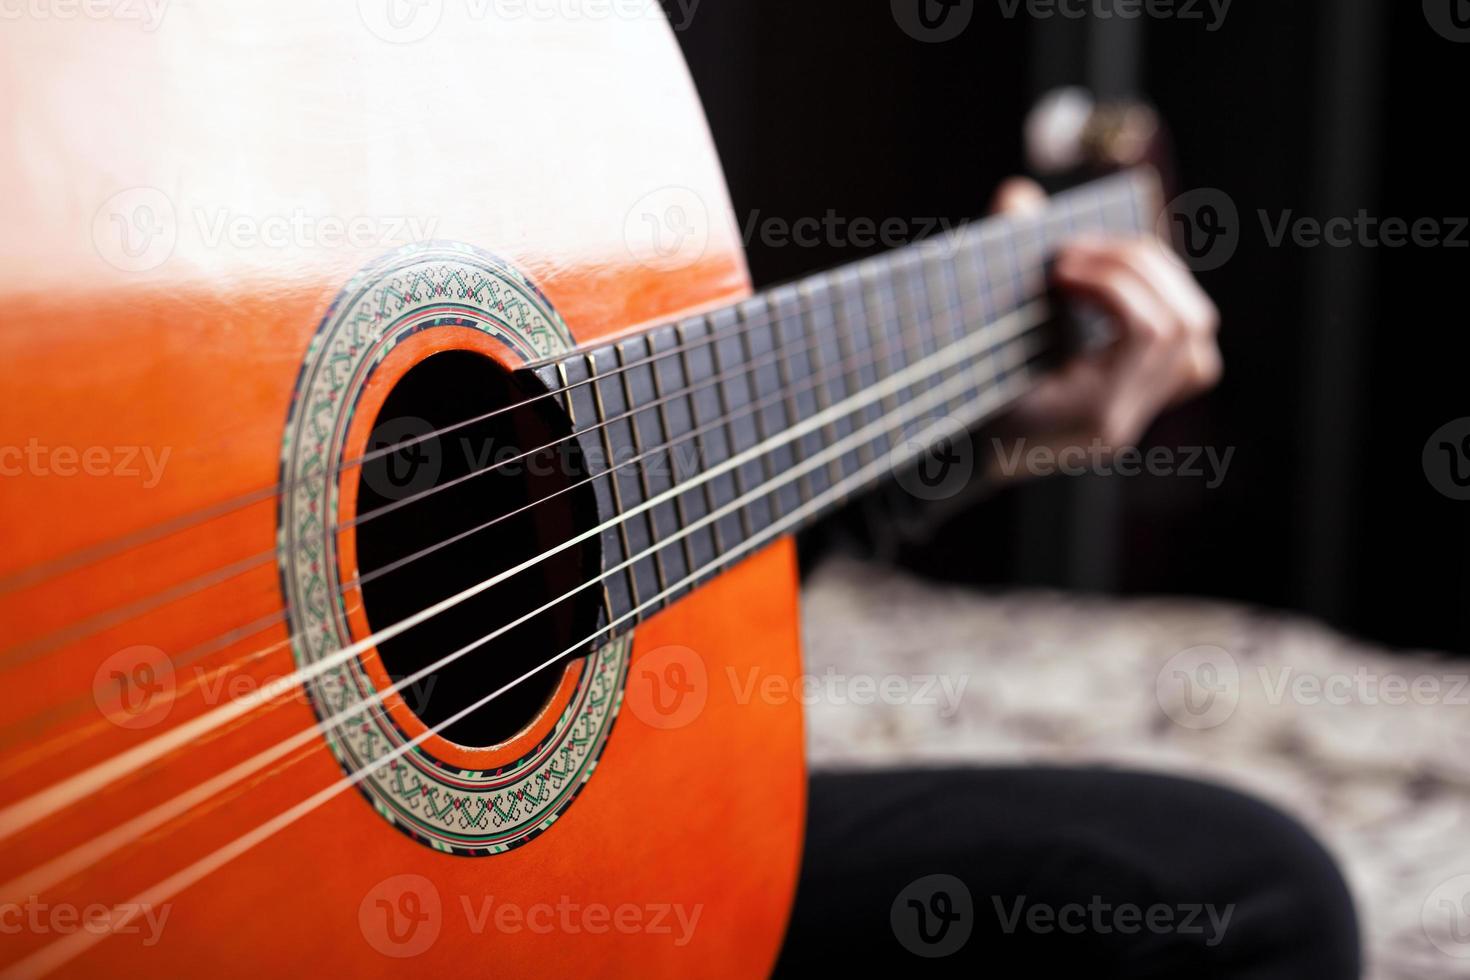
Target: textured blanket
[[1372, 750]]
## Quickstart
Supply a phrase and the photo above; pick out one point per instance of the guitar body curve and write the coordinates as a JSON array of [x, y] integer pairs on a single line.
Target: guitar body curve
[[189, 209]]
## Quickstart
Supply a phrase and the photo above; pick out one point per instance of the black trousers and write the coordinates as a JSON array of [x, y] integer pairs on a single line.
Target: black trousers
[[1062, 872]]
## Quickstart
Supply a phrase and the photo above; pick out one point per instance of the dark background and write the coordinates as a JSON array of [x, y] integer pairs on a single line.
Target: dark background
[[1340, 361]]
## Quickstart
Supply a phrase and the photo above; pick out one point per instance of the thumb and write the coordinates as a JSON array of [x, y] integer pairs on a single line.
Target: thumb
[[1018, 195]]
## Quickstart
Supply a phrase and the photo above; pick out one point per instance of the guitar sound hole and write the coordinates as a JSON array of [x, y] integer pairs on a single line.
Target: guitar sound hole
[[412, 516]]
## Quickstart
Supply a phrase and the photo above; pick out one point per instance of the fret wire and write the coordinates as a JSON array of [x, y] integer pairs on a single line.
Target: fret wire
[[882, 344], [845, 341], [807, 399], [798, 451], [890, 291], [773, 501], [803, 304], [920, 323], [561, 370], [990, 303], [740, 393], [667, 430], [612, 479], [949, 298], [631, 404], [738, 473], [832, 308], [709, 501]]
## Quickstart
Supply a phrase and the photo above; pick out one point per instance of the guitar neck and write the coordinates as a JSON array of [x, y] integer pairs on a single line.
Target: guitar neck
[[707, 438]]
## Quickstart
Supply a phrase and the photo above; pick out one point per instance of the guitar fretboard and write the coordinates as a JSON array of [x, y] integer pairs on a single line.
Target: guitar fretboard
[[706, 438]]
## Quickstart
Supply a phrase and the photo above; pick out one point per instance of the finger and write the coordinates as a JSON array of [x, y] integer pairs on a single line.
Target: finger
[[1190, 320], [1124, 294], [1018, 195], [1171, 281]]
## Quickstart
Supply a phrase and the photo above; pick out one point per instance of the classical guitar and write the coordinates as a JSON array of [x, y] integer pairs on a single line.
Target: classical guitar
[[399, 478]]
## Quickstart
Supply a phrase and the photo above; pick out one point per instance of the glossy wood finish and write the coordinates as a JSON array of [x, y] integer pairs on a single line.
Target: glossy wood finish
[[537, 139]]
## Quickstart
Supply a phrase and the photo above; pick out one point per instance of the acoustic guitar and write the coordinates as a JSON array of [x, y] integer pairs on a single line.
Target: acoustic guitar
[[399, 481]]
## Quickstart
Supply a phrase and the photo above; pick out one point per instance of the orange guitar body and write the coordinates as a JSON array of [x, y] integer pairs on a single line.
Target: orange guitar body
[[184, 203]]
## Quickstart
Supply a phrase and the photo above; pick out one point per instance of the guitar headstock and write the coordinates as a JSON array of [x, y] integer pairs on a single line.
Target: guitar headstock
[[1071, 138]]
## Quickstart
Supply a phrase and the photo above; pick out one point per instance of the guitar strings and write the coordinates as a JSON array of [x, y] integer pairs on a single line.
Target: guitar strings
[[980, 405], [26, 812], [878, 352], [974, 233], [1061, 215], [106, 619], [886, 305]]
